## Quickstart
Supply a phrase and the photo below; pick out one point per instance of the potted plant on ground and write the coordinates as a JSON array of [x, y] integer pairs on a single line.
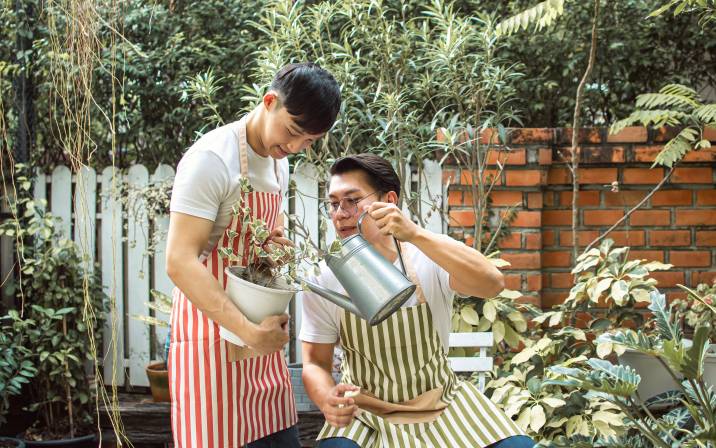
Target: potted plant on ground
[[61, 316]]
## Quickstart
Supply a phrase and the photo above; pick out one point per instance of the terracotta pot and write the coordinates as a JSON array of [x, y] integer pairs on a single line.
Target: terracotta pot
[[159, 381]]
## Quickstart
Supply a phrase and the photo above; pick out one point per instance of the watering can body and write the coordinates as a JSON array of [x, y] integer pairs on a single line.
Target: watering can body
[[376, 288]]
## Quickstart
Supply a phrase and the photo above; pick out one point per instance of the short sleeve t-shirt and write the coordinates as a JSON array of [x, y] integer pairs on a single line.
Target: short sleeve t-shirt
[[206, 184], [321, 319]]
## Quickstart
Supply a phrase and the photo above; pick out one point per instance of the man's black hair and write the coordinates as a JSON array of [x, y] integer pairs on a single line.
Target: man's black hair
[[379, 172], [310, 94]]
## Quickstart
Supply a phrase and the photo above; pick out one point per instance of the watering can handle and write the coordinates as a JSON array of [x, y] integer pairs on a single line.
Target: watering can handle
[[397, 244]]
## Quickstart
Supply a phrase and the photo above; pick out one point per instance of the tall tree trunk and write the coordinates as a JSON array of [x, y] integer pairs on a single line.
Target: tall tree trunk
[[575, 150]]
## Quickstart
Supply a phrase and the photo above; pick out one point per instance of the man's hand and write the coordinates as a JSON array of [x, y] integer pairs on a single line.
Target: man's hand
[[391, 221], [275, 240], [338, 407], [270, 335]]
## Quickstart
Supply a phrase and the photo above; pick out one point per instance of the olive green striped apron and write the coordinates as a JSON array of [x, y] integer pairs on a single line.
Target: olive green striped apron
[[409, 395]]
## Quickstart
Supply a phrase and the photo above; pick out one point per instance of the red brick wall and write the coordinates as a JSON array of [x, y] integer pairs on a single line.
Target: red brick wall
[[677, 225]]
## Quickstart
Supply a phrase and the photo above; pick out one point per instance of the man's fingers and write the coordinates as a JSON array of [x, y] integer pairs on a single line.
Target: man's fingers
[[378, 210], [283, 241], [281, 319], [342, 388]]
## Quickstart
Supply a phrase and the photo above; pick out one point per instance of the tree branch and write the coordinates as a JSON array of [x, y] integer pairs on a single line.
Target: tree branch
[[636, 207], [575, 150]]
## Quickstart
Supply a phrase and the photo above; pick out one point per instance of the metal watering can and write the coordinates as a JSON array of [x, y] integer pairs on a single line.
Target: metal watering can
[[376, 287]]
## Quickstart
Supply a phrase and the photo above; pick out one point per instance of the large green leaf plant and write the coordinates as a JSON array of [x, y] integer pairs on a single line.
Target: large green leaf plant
[[690, 419], [607, 292]]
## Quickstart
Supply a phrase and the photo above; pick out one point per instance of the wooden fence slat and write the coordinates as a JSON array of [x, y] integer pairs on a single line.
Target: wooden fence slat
[[85, 207], [39, 188], [137, 279], [112, 265], [306, 205], [161, 282], [61, 203]]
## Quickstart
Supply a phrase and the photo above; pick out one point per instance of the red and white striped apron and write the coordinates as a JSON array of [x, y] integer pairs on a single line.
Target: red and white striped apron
[[216, 403]]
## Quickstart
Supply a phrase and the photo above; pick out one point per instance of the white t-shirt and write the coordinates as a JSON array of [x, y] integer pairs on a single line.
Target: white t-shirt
[[321, 319], [207, 179]]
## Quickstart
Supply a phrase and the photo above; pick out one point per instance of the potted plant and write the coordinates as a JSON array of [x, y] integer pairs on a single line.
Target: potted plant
[[60, 317], [157, 372], [270, 282], [696, 311]]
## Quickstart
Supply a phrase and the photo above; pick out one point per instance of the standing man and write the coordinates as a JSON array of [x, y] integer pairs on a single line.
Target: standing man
[[407, 395], [217, 402]]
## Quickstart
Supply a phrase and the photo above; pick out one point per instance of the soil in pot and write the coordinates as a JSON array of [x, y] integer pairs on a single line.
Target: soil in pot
[[262, 276], [8, 442], [159, 381]]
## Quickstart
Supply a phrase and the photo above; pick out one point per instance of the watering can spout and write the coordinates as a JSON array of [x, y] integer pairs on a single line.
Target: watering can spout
[[337, 298]]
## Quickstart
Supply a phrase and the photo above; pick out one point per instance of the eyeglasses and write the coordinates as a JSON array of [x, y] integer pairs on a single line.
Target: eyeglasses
[[348, 205]]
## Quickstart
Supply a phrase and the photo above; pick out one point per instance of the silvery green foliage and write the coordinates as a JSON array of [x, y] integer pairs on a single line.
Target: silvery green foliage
[[273, 262], [691, 421]]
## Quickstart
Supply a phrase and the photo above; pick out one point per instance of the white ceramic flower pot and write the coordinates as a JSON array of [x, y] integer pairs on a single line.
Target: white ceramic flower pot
[[255, 301], [655, 379]]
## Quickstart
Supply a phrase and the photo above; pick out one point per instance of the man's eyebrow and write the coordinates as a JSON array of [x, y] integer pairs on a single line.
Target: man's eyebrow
[[353, 190], [296, 129]]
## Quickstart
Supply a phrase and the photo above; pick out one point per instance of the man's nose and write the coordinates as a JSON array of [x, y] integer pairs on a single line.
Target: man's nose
[[341, 214], [296, 146]]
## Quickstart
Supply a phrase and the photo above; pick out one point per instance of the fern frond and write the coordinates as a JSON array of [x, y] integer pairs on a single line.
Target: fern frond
[[706, 113], [680, 90], [655, 118], [673, 151], [661, 100], [541, 15]]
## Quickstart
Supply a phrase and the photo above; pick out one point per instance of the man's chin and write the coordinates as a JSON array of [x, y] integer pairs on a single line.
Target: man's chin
[[345, 233]]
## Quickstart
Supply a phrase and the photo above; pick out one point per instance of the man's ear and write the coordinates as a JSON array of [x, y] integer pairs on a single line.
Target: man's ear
[[271, 100], [391, 197]]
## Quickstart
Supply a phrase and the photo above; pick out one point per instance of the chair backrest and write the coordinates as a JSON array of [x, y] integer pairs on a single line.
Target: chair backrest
[[481, 363]]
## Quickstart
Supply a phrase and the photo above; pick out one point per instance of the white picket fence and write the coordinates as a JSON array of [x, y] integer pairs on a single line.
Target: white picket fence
[[91, 213]]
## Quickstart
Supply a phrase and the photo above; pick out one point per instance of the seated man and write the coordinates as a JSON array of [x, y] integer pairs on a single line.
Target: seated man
[[407, 395]]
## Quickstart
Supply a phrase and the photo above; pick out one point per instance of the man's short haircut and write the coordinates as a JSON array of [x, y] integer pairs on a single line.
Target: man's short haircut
[[310, 94], [379, 172]]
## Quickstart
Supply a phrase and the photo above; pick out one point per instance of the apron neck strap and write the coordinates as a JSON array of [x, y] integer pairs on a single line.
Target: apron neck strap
[[412, 275], [244, 154]]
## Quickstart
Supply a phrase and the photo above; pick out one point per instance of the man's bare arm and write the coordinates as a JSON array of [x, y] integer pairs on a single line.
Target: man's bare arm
[[186, 238]]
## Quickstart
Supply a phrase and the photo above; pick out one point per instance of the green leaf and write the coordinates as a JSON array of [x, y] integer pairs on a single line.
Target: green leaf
[[600, 287], [489, 311], [498, 331], [619, 292], [667, 329], [511, 336], [537, 417], [693, 367], [469, 315]]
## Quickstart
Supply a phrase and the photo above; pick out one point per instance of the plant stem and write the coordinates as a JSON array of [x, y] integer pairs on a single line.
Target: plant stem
[[681, 387], [635, 208], [576, 150], [644, 428], [651, 416]]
